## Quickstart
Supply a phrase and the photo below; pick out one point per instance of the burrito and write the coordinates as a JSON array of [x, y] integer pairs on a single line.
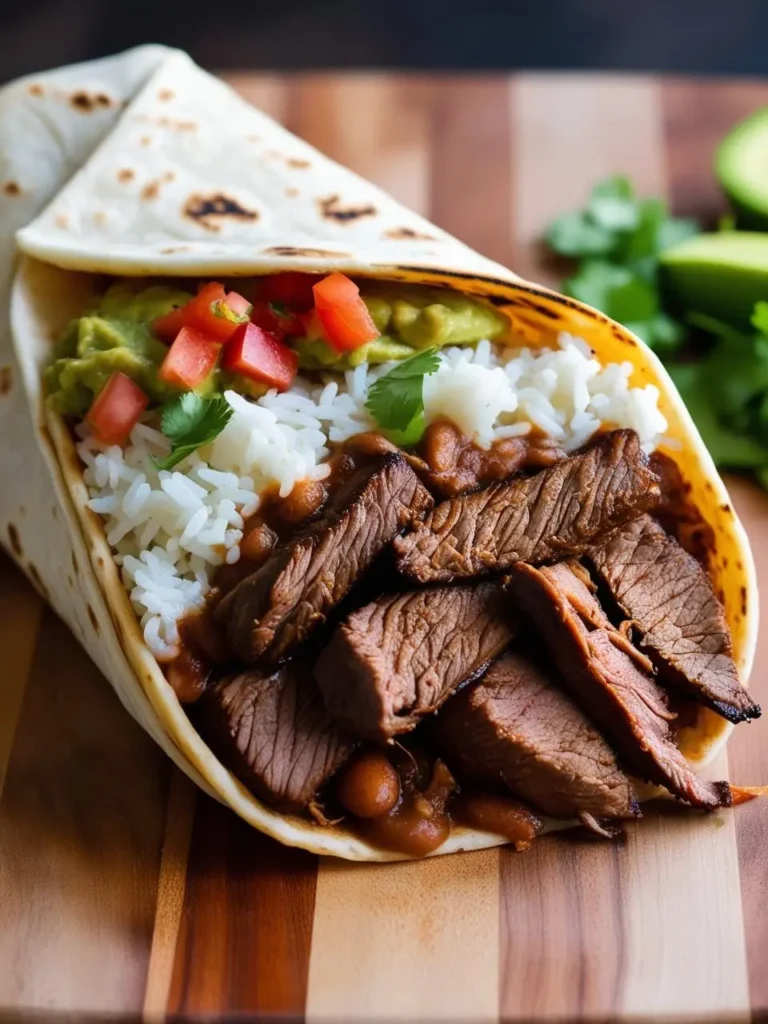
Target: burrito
[[394, 553]]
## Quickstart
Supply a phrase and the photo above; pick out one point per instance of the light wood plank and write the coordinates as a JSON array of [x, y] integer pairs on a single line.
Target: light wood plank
[[569, 132], [267, 92], [406, 941]]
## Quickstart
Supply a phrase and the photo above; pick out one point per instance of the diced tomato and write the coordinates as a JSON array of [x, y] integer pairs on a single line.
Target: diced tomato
[[190, 359], [291, 287], [167, 327], [260, 355], [277, 318], [344, 316], [116, 408], [206, 313]]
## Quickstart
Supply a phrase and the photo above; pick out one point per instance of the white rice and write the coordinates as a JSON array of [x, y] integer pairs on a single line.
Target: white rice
[[170, 530]]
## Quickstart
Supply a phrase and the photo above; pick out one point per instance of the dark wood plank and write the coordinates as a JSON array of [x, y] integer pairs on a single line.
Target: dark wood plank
[[697, 114], [471, 162], [81, 826], [246, 928]]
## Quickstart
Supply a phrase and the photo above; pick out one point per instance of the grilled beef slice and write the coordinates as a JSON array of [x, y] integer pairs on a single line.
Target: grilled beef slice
[[401, 656], [541, 518], [673, 608], [514, 726], [272, 731], [609, 678], [271, 612]]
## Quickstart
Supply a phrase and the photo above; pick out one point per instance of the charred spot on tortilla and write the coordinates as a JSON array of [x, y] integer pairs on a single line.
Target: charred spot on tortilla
[[207, 211], [168, 176], [100, 219], [12, 188], [290, 250], [35, 89], [15, 540], [94, 620], [291, 192], [85, 102], [62, 220], [332, 209], [75, 566], [298, 162], [125, 174], [404, 233], [146, 140], [171, 249], [165, 94], [6, 380], [150, 191]]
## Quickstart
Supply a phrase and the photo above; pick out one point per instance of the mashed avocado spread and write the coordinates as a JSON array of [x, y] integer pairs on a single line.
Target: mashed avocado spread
[[116, 335]]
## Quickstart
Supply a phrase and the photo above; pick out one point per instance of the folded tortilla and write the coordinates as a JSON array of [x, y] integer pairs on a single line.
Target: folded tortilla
[[148, 140]]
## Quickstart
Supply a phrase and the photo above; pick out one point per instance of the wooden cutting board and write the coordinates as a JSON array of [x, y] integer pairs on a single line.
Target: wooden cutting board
[[122, 890]]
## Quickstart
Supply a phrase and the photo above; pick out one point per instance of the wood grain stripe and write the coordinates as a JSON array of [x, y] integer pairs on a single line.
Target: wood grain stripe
[[20, 612], [630, 939], [182, 799], [471, 193], [244, 940], [81, 825]]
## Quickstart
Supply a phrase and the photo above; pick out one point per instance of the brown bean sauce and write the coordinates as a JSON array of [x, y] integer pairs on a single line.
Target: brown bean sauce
[[450, 464]]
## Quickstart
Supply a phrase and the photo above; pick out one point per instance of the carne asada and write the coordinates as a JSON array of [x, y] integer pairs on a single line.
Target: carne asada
[[272, 731], [401, 656], [272, 611], [682, 628], [557, 512], [607, 678], [514, 726]]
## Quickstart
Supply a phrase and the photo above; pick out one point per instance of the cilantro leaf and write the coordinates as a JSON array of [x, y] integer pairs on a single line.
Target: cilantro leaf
[[574, 235], [396, 400], [760, 317], [728, 447], [191, 421], [616, 187]]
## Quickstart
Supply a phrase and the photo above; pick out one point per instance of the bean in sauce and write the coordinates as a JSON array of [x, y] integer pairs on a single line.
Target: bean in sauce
[[502, 815], [368, 786]]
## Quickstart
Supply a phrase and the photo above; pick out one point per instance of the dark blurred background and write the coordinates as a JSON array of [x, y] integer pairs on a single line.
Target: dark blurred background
[[685, 36]]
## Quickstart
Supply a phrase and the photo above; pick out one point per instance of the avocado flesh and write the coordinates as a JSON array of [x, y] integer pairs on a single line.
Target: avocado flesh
[[741, 165], [722, 274]]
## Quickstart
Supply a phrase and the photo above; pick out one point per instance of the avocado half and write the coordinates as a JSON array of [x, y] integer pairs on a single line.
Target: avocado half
[[741, 165], [722, 274]]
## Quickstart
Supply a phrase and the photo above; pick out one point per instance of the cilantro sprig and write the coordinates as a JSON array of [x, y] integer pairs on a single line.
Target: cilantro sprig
[[191, 421], [396, 400], [617, 239]]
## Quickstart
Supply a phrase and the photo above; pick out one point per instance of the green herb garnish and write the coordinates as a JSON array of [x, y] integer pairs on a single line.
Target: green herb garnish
[[190, 422], [617, 239], [396, 400]]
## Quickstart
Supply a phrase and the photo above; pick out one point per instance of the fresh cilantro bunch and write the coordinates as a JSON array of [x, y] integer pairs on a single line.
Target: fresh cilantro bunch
[[617, 239], [726, 392]]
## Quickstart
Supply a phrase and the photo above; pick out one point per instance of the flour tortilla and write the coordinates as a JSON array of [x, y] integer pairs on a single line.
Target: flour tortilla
[[188, 207]]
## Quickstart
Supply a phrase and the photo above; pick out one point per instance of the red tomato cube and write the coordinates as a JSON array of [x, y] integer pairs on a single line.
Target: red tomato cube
[[191, 358], [260, 355], [116, 409]]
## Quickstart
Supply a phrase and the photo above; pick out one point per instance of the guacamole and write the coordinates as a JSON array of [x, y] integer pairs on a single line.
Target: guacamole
[[116, 335]]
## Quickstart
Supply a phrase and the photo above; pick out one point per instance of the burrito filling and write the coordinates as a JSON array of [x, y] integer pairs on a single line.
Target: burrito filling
[[404, 570]]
